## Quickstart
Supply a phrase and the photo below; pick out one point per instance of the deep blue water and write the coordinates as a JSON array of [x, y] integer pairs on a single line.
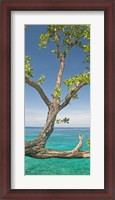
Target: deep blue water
[[61, 139]]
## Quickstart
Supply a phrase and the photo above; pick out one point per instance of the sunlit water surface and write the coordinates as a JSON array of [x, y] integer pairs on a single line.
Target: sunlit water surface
[[61, 139]]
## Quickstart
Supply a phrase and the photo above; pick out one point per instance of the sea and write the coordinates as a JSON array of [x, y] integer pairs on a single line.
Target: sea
[[61, 139]]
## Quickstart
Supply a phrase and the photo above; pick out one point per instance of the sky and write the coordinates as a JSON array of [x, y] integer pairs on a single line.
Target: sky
[[43, 61]]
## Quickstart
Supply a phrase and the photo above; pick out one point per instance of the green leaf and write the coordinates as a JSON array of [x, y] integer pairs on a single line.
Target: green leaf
[[86, 48], [88, 143], [69, 35], [65, 120], [44, 38], [75, 96], [41, 80], [72, 82], [28, 69], [57, 92], [54, 51]]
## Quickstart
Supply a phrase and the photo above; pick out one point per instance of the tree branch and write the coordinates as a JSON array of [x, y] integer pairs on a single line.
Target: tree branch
[[78, 147], [68, 49], [72, 93], [39, 89], [70, 45], [57, 42], [37, 152]]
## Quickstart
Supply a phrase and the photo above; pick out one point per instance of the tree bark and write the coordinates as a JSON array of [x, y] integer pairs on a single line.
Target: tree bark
[[40, 142], [60, 73], [37, 152]]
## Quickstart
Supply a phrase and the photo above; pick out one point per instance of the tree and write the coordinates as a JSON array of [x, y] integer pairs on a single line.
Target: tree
[[64, 37]]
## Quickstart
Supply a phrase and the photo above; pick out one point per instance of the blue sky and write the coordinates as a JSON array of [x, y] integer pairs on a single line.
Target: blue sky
[[45, 62]]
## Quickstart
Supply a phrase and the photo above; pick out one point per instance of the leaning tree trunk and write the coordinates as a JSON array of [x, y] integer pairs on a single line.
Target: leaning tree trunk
[[40, 142], [36, 148]]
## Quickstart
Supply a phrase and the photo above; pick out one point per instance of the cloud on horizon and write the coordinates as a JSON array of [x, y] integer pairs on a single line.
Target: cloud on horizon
[[36, 118]]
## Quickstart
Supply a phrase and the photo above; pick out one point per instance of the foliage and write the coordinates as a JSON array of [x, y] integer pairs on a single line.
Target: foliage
[[57, 92], [44, 38], [28, 69], [88, 143], [75, 80], [68, 36], [65, 120], [75, 96], [72, 82], [26, 27], [64, 38], [41, 80]]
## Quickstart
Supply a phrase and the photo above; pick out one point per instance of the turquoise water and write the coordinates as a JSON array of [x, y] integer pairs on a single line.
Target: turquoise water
[[61, 139]]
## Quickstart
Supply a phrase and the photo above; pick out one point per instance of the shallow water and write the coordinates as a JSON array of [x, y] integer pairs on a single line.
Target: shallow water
[[61, 139]]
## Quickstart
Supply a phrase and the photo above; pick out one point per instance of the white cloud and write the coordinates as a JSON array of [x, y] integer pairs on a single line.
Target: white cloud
[[35, 118], [77, 118]]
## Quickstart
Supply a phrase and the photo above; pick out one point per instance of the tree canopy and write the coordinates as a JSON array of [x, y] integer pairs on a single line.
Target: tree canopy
[[64, 37]]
